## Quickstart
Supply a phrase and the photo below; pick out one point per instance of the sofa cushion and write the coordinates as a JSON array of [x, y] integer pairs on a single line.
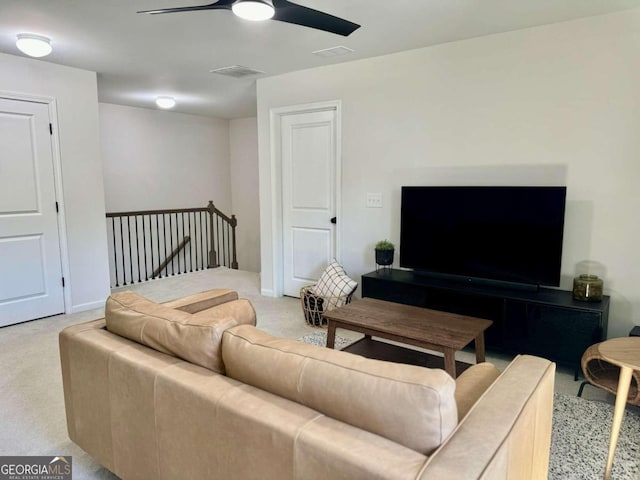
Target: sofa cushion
[[195, 338], [410, 405], [472, 383]]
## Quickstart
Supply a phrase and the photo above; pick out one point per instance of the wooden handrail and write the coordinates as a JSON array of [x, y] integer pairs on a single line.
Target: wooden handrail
[[168, 260], [156, 212]]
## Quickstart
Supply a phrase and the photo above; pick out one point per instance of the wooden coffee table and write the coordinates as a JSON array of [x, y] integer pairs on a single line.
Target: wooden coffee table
[[431, 329]]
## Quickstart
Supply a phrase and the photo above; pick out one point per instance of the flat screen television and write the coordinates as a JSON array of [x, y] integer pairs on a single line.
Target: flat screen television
[[500, 234]]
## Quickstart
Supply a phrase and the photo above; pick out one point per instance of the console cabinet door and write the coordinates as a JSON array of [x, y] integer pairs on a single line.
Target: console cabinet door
[[559, 334]]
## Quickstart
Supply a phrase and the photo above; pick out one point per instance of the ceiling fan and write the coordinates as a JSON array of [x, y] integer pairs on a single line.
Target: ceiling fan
[[281, 10]]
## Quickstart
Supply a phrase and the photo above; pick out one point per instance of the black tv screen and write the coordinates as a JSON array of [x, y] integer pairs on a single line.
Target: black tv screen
[[510, 234]]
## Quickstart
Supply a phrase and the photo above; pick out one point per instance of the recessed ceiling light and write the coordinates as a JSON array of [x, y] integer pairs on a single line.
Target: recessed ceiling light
[[254, 10], [166, 102], [33, 45]]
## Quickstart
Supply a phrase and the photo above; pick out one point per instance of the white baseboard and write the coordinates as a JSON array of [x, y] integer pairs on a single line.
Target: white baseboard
[[86, 306], [267, 292]]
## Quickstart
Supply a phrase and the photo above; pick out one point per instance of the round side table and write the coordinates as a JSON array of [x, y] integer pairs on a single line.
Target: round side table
[[625, 353]]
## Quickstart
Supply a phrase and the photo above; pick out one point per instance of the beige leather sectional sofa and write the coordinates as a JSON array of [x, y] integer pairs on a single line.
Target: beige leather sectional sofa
[[191, 389]]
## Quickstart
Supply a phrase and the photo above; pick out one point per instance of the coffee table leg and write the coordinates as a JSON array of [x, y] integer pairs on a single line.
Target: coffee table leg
[[480, 348], [450, 361], [331, 334], [618, 413]]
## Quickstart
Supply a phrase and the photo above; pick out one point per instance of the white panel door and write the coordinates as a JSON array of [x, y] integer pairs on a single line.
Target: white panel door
[[308, 149], [30, 267]]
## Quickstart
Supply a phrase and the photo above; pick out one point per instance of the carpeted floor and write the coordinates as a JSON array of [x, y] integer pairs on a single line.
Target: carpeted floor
[[33, 420]]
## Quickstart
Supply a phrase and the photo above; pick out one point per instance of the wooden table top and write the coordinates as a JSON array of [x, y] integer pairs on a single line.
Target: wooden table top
[[417, 323], [623, 351]]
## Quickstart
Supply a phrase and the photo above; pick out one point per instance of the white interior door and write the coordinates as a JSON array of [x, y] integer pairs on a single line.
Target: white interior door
[[309, 164], [30, 266]]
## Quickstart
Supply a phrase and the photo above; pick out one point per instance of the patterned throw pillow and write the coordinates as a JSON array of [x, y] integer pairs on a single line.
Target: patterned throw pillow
[[334, 282]]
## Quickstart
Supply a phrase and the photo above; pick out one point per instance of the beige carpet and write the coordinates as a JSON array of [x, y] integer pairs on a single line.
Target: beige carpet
[[32, 421]]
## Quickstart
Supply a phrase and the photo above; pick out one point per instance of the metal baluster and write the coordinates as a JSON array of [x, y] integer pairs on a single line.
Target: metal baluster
[[228, 249], [135, 222], [164, 237], [184, 251], [221, 246], [203, 242], [207, 242], [199, 245], [216, 239], [115, 253], [195, 227], [158, 248], [124, 270], [190, 243], [144, 245], [170, 246], [130, 255]]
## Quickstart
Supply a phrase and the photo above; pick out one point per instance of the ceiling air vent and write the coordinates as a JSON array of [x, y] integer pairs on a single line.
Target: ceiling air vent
[[236, 71], [333, 51]]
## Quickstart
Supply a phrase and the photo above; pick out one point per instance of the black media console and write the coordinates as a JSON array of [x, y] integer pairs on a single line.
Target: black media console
[[547, 322]]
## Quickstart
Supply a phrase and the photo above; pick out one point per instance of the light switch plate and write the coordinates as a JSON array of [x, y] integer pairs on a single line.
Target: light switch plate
[[374, 200]]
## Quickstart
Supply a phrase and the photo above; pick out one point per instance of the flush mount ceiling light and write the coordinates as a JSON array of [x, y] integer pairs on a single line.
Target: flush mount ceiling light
[[166, 102], [254, 10], [33, 45]]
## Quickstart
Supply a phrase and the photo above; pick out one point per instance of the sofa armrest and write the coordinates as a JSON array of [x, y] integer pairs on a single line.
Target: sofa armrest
[[507, 433], [203, 300]]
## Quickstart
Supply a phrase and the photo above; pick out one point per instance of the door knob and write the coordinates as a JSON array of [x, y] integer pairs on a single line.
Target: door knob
[[333, 220]]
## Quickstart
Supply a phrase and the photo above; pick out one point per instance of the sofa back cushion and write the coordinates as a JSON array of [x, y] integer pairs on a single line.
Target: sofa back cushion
[[410, 405], [192, 337], [472, 384]]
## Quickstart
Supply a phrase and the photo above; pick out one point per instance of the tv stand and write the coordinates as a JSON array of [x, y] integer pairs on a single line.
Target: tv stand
[[546, 322]]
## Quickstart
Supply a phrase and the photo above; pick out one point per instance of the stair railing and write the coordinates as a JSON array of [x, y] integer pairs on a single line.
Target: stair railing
[[149, 244]]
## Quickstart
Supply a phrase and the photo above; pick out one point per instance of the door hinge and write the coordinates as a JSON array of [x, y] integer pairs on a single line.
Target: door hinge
[[51, 129], [62, 282], [57, 208]]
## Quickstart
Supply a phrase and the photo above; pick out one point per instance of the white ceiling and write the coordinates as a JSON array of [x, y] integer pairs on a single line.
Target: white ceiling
[[138, 57]]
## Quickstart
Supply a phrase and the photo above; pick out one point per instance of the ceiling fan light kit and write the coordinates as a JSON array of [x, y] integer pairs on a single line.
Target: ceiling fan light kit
[[254, 10], [281, 10], [34, 45], [165, 102]]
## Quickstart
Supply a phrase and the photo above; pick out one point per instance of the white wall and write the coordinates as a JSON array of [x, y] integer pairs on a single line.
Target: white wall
[[243, 142], [551, 104], [156, 159], [76, 97]]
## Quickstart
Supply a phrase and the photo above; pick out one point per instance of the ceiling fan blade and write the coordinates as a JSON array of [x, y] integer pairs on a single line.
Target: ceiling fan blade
[[219, 5], [308, 17]]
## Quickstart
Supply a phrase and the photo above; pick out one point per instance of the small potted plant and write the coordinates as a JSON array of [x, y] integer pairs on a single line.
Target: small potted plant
[[384, 252]]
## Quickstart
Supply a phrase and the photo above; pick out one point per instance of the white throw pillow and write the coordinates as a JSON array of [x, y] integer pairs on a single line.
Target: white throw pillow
[[334, 282]]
